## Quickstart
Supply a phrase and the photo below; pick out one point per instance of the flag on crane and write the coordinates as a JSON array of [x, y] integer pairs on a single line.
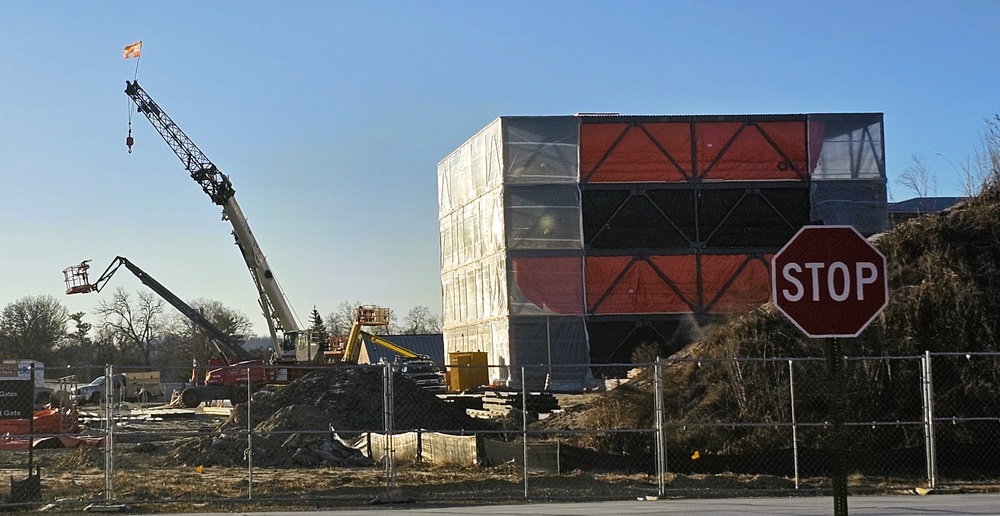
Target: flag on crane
[[133, 50]]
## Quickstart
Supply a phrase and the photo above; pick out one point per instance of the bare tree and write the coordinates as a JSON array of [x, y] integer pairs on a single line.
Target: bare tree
[[184, 341], [135, 326], [33, 327], [991, 150], [338, 323], [918, 178], [79, 348], [982, 170], [420, 320]]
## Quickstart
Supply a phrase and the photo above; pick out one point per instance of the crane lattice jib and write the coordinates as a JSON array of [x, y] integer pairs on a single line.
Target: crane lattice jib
[[212, 181]]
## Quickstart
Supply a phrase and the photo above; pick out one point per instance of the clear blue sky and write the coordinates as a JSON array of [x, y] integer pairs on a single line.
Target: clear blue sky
[[330, 118]]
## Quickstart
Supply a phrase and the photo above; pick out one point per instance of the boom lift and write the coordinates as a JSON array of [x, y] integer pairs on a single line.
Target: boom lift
[[287, 335], [228, 375], [419, 368]]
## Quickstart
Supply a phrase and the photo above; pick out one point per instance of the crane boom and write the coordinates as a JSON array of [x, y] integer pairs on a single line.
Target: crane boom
[[279, 314]]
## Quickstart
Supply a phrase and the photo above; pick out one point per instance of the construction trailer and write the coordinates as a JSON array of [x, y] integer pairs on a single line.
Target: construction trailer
[[574, 239]]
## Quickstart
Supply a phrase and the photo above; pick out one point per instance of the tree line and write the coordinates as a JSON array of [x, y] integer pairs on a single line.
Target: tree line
[[141, 329]]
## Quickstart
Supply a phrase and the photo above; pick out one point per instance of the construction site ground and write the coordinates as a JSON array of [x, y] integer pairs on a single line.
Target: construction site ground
[[150, 475], [157, 470]]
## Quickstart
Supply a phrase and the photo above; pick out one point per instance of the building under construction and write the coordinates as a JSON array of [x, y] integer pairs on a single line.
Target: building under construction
[[573, 239]]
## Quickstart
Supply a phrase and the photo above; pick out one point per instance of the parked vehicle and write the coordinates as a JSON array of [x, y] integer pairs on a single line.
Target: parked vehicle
[[136, 386], [425, 373]]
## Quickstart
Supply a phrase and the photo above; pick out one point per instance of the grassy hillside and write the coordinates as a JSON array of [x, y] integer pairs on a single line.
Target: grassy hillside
[[944, 288]]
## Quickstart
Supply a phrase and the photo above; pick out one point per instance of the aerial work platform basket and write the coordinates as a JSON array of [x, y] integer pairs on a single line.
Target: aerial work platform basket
[[77, 281], [367, 315]]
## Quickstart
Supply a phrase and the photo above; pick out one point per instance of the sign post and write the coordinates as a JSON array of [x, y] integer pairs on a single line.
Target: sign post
[[831, 283]]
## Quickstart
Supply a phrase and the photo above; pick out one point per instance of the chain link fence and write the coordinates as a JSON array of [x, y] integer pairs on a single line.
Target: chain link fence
[[108, 437]]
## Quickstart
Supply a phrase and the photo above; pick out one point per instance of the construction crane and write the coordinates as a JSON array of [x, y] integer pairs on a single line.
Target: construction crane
[[295, 345], [228, 375], [290, 340]]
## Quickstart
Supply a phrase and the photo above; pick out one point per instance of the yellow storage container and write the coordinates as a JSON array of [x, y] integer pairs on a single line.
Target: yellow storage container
[[467, 370]]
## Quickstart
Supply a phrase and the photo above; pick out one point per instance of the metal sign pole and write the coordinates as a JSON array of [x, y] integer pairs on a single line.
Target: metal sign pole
[[31, 420], [836, 442]]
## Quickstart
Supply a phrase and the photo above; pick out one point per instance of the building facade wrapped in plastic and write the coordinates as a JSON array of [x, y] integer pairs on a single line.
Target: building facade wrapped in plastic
[[574, 239]]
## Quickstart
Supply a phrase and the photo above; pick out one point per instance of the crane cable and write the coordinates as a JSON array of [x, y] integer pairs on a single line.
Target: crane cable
[[135, 76]]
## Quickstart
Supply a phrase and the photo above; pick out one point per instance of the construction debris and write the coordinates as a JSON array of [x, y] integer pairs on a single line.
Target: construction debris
[[301, 424], [502, 403]]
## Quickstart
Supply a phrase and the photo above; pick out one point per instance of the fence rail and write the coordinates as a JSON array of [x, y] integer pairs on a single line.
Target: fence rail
[[351, 435]]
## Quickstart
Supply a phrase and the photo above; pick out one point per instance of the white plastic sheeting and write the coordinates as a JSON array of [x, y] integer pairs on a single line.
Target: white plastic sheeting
[[510, 188]]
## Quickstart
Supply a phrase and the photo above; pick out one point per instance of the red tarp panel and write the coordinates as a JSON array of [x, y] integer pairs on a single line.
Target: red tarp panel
[[669, 284], [553, 283], [635, 153], [628, 285], [640, 152], [655, 284], [762, 151], [750, 286]]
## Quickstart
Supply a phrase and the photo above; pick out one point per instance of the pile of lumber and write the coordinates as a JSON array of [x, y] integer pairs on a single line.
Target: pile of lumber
[[501, 403]]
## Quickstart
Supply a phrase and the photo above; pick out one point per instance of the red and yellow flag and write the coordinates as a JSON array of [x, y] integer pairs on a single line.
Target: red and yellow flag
[[133, 50]]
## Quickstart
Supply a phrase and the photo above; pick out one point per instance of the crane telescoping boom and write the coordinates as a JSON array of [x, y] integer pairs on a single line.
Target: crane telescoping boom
[[233, 372], [279, 314]]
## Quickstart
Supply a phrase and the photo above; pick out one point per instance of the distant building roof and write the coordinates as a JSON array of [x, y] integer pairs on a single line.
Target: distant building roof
[[921, 205], [431, 345]]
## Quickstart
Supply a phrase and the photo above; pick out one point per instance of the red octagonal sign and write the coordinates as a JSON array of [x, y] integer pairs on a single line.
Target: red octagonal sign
[[830, 281]]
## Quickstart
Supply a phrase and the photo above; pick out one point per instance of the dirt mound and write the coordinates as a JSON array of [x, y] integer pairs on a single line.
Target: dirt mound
[[292, 426], [944, 287]]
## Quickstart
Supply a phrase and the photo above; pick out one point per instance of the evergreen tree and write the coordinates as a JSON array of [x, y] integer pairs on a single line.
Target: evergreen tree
[[318, 328]]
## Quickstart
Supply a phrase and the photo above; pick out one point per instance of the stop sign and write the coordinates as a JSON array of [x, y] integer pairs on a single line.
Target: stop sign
[[830, 281]]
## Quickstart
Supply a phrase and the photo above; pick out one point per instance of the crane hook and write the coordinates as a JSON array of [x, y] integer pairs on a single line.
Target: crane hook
[[128, 139]]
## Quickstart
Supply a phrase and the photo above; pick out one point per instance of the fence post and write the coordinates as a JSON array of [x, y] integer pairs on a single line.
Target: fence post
[[249, 453], [524, 426], [661, 438], [927, 394], [31, 421], [109, 433], [389, 426], [795, 430]]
